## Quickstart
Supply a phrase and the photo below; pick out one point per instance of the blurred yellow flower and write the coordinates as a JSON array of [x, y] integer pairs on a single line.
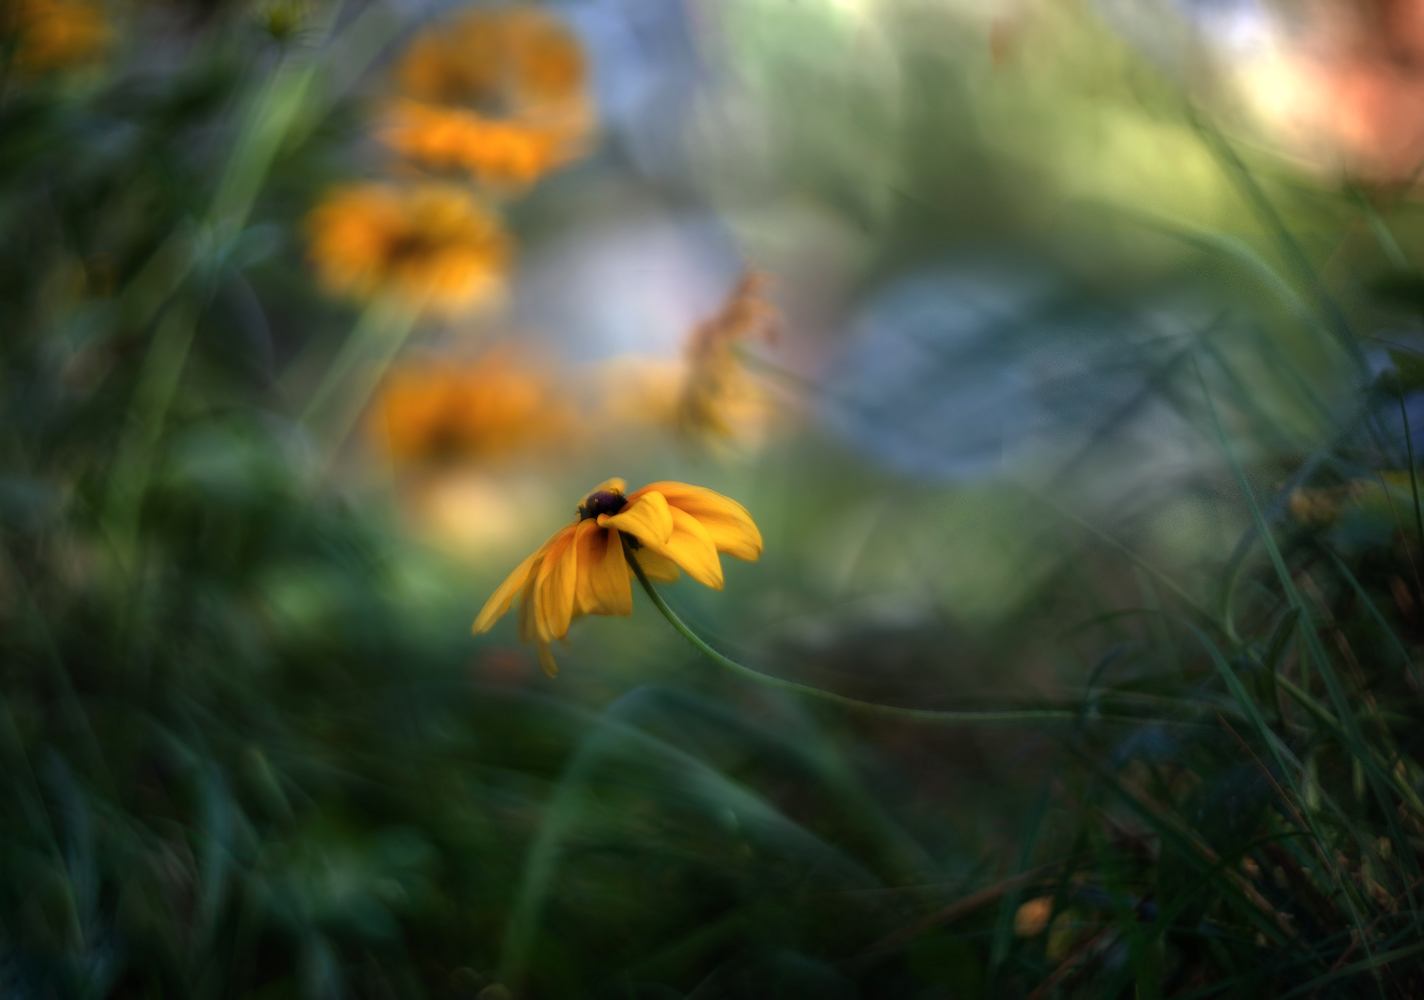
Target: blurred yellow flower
[[434, 246], [719, 400], [503, 60], [499, 406], [497, 151], [582, 569], [58, 34], [499, 93]]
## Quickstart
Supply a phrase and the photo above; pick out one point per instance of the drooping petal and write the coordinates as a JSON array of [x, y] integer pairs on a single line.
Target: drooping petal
[[501, 599], [529, 600], [590, 545], [603, 573], [656, 567], [691, 548], [727, 521], [528, 629], [554, 587], [546, 658], [610, 577], [646, 519]]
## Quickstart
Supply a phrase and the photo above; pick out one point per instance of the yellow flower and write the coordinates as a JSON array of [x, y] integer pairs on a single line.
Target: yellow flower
[[503, 60], [496, 407], [432, 245], [58, 34], [498, 93], [582, 570], [718, 398], [497, 151]]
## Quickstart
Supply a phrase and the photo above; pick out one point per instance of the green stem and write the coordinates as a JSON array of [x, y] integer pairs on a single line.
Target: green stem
[[356, 372], [1011, 717]]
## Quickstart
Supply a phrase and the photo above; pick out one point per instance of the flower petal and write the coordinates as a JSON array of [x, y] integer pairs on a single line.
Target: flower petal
[[691, 548], [528, 603], [546, 659], [599, 552], [603, 574], [590, 545], [647, 519], [503, 596], [528, 630], [656, 567], [554, 587], [727, 521]]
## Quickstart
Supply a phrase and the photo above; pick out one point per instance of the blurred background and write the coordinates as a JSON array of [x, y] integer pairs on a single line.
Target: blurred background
[[1065, 353]]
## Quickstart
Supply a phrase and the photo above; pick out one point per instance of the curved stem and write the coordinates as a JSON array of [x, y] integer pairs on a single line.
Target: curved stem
[[1009, 717]]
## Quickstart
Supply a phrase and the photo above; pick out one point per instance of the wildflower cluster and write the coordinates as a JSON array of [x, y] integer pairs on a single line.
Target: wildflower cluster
[[498, 97], [449, 412]]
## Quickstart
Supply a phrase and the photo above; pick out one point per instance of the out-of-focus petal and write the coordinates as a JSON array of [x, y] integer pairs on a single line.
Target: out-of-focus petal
[[500, 600], [646, 519], [528, 627], [732, 529], [546, 659]]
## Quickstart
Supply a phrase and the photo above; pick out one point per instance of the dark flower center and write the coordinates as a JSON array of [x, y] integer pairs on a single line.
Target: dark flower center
[[601, 502]]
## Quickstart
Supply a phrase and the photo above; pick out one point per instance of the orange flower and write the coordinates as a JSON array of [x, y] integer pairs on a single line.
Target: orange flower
[[498, 93], [503, 60], [509, 152], [1032, 917], [496, 407], [58, 34], [431, 245], [583, 570], [718, 396]]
